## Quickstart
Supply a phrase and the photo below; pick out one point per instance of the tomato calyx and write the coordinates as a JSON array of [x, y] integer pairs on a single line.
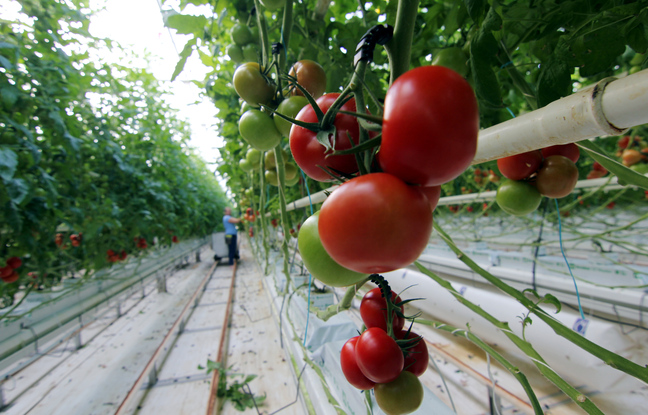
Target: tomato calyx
[[392, 308]]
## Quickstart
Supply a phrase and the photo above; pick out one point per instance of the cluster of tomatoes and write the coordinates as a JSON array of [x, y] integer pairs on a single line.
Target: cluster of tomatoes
[[244, 46], [75, 240], [550, 172], [116, 257], [8, 273], [252, 161], [386, 357], [140, 242]]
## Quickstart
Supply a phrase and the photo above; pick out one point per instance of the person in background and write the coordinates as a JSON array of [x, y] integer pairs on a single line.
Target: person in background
[[230, 235]]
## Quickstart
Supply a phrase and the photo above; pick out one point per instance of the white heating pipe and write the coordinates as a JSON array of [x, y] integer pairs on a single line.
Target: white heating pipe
[[608, 108]]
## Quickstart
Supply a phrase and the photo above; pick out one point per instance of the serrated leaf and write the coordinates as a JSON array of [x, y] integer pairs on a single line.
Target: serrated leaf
[[625, 175], [184, 55], [186, 24], [8, 163]]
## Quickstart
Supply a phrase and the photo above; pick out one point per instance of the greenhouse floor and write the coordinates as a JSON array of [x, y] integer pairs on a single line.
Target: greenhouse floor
[[152, 359]]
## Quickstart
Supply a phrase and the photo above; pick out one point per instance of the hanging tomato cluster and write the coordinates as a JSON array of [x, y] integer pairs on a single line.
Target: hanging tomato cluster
[[8, 273], [386, 357], [550, 172]]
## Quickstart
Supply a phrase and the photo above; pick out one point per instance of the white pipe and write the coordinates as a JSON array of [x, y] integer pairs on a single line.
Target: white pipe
[[608, 108]]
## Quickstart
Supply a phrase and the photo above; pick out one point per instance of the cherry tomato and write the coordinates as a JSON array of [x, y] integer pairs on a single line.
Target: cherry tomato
[[375, 223], [520, 166], [290, 108], [350, 367], [318, 262], [311, 76], [570, 151], [310, 154], [401, 396], [378, 356], [517, 198], [430, 126], [251, 85], [258, 129], [557, 177], [373, 310], [416, 354]]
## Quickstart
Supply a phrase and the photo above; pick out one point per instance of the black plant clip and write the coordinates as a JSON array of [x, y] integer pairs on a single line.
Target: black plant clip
[[377, 35]]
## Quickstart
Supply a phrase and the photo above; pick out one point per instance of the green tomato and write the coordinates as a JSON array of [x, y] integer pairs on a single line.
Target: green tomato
[[258, 129], [251, 85], [235, 53], [293, 181], [641, 168], [318, 262], [401, 396], [273, 4], [245, 165], [453, 58], [270, 161], [518, 198], [271, 177], [290, 171], [251, 52], [241, 34], [290, 108], [254, 157]]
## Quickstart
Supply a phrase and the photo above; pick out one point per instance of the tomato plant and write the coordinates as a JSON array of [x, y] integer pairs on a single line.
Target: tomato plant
[[557, 177], [517, 198], [375, 223], [401, 396], [311, 76], [350, 366], [318, 262], [311, 155], [430, 126], [373, 310], [252, 85], [520, 166], [378, 356], [258, 129]]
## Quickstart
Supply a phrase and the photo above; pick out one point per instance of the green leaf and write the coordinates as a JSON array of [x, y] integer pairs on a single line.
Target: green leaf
[[482, 51], [625, 175], [475, 8], [551, 299], [184, 55], [554, 81], [185, 24], [17, 189], [8, 163]]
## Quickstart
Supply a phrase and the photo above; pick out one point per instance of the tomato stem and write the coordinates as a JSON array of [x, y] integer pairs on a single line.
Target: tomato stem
[[386, 292], [263, 30], [400, 46]]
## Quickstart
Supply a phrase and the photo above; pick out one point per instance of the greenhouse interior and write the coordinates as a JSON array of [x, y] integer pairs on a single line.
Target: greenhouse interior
[[323, 207]]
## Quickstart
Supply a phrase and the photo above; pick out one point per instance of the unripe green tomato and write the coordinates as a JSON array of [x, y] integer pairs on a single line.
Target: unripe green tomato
[[453, 58], [249, 192], [318, 262], [289, 107], [271, 177], [245, 107], [401, 396], [273, 4], [245, 165], [255, 34], [251, 52], [517, 198], [293, 181], [270, 161], [235, 53], [258, 129], [241, 34], [251, 85], [290, 171], [254, 157]]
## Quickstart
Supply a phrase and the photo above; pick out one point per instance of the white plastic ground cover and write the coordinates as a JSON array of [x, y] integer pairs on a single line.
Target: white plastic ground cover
[[570, 361], [41, 324], [324, 342]]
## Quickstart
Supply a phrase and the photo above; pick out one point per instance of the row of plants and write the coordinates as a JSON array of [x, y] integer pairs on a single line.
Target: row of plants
[[95, 166]]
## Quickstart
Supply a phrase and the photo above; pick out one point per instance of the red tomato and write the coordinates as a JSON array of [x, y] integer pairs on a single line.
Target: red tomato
[[14, 262], [12, 277], [373, 310], [378, 356], [6, 271], [350, 367], [520, 166], [375, 223], [570, 151], [598, 167], [430, 126], [310, 154], [433, 194], [557, 177], [416, 354]]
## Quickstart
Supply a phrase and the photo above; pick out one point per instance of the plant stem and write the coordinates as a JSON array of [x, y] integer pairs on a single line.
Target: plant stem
[[281, 173], [344, 304], [400, 46], [263, 29]]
